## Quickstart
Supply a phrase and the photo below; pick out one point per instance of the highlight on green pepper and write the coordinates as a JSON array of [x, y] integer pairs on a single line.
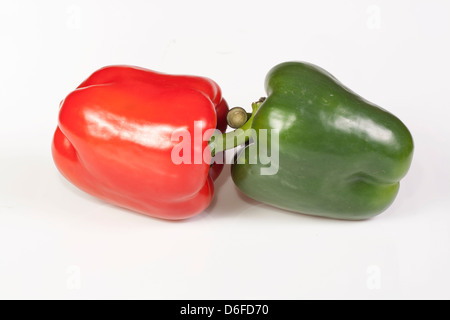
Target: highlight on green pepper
[[340, 156]]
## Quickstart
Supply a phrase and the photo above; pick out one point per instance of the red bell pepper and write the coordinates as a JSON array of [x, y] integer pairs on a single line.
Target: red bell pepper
[[113, 139]]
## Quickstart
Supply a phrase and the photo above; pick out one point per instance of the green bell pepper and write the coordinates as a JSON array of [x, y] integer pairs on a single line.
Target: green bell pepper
[[340, 156]]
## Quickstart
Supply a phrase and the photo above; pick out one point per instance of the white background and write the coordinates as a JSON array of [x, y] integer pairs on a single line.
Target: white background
[[57, 242]]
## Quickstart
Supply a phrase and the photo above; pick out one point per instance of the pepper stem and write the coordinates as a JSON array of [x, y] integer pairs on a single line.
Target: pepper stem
[[242, 123], [237, 117]]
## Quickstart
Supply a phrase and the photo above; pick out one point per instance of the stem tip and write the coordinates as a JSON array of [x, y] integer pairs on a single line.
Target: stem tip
[[237, 117]]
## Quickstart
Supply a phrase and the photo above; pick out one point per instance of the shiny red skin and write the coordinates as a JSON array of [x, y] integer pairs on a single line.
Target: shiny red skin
[[113, 139]]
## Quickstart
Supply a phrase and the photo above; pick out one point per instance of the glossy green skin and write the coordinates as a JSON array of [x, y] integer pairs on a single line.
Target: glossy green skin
[[340, 156]]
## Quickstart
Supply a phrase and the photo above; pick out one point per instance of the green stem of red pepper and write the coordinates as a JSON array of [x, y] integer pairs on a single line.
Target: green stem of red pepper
[[237, 137]]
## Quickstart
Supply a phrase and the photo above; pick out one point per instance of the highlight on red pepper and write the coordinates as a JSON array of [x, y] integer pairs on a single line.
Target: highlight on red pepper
[[114, 140]]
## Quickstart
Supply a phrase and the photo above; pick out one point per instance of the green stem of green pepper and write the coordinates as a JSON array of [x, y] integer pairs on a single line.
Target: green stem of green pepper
[[237, 137]]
